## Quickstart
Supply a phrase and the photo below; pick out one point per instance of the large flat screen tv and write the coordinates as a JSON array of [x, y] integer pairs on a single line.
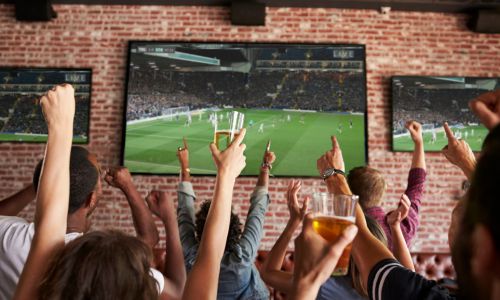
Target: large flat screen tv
[[294, 95], [433, 100], [21, 118]]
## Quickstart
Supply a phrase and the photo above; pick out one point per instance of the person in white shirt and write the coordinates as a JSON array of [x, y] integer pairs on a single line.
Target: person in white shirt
[[16, 233]]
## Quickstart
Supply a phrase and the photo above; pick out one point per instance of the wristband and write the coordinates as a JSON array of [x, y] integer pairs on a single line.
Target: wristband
[[331, 171]]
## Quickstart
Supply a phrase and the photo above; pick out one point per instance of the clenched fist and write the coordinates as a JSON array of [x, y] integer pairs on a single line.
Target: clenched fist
[[58, 107]]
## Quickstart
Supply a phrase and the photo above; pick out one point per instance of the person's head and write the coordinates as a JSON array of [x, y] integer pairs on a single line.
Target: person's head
[[476, 254], [368, 184], [85, 184], [234, 233], [101, 265], [378, 233]]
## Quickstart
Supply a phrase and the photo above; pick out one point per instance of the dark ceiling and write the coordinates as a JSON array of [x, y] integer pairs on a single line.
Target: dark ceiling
[[408, 5]]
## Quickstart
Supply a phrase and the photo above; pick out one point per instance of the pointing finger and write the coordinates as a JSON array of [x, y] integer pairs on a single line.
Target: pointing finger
[[449, 133]]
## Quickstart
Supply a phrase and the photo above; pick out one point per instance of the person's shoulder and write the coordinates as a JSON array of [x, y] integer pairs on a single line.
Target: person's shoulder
[[10, 221], [388, 279], [16, 234]]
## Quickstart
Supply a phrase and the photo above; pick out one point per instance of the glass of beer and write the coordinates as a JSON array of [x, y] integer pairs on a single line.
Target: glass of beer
[[227, 129], [333, 214]]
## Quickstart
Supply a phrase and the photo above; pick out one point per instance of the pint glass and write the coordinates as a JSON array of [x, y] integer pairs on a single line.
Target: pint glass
[[333, 214], [227, 130]]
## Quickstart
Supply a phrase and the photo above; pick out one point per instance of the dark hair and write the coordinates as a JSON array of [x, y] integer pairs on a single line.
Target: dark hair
[[481, 207], [101, 265], [377, 232], [234, 233], [492, 138], [369, 184], [83, 177]]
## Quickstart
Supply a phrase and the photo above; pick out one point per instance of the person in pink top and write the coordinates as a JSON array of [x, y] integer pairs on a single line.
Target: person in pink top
[[370, 185]]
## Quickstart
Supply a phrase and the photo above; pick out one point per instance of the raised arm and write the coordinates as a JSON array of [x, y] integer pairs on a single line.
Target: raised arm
[[266, 166], [174, 269], [254, 225], [415, 130], [459, 153], [394, 218], [367, 250], [58, 108], [119, 177], [271, 270], [186, 198], [13, 204], [203, 280], [416, 182]]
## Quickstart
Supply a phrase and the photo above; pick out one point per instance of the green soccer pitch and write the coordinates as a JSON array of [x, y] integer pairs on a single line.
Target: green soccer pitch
[[474, 137], [150, 147], [34, 138]]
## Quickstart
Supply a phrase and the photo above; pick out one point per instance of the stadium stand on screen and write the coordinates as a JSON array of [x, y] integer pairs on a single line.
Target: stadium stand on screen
[[433, 101], [21, 118], [294, 95]]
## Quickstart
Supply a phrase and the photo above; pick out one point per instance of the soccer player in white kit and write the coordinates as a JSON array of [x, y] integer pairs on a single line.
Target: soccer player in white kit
[[261, 128]]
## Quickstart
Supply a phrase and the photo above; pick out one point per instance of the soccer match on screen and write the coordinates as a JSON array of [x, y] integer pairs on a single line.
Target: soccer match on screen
[[295, 96], [432, 101], [21, 118]]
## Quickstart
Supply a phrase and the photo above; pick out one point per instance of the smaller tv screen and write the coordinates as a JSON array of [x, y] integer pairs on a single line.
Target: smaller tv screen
[[21, 118], [434, 100]]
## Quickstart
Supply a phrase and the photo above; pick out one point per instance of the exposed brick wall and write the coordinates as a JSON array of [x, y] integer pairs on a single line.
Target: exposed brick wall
[[400, 43]]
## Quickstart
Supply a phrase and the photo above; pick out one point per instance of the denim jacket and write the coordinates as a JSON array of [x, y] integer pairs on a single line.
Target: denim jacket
[[238, 278]]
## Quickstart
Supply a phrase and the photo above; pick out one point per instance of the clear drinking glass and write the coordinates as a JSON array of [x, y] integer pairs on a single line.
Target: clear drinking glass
[[333, 214], [227, 129]]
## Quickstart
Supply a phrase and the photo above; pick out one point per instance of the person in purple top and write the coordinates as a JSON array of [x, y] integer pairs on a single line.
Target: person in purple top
[[370, 185]]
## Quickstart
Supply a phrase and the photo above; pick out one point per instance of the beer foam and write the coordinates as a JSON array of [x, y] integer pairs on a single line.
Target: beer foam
[[351, 219]]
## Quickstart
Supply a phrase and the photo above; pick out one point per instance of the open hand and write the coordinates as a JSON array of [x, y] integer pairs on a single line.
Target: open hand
[[297, 212]]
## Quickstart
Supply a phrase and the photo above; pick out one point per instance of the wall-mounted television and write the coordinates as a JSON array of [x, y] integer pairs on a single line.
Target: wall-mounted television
[[433, 100], [21, 118], [294, 95]]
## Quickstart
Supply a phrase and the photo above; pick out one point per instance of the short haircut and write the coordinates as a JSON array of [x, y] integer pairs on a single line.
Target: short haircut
[[83, 177], [234, 233], [368, 184]]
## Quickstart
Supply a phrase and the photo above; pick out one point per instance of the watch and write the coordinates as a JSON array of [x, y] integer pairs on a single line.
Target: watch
[[331, 171]]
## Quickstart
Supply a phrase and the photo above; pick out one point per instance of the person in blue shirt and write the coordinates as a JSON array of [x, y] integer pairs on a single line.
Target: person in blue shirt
[[239, 277]]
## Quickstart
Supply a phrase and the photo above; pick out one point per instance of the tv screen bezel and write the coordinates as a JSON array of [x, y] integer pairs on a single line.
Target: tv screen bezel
[[16, 68], [392, 105], [256, 44]]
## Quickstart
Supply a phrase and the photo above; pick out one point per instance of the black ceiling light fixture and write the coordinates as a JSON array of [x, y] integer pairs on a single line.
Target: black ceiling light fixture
[[248, 13], [34, 10]]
